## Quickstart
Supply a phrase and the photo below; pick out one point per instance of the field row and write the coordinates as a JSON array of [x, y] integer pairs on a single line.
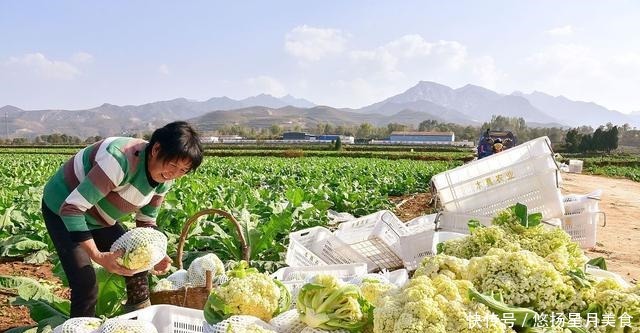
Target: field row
[[270, 197]]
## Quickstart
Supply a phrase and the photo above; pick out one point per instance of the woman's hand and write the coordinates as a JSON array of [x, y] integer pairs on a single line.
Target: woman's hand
[[105, 259], [108, 260], [162, 267]]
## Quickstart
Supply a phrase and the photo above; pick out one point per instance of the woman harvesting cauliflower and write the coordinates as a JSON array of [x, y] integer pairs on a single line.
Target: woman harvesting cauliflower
[[101, 184]]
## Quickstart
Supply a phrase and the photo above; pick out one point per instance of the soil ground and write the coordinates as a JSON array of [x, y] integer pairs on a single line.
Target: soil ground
[[618, 241], [16, 316]]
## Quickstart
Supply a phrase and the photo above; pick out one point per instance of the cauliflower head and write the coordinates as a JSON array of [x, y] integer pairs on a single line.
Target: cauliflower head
[[247, 292]]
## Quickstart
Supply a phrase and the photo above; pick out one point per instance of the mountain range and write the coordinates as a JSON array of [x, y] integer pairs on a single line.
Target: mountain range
[[468, 105]]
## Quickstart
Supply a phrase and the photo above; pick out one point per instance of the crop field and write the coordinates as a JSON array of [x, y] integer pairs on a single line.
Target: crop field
[[273, 192], [613, 165], [271, 195]]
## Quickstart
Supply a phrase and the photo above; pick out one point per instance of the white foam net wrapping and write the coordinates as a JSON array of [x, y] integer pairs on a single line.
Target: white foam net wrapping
[[79, 325], [288, 322], [178, 278], [317, 330], [127, 326], [144, 248], [196, 272], [240, 324]]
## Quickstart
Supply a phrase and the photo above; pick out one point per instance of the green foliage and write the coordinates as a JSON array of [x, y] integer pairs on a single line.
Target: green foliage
[[602, 140], [111, 293], [39, 298]]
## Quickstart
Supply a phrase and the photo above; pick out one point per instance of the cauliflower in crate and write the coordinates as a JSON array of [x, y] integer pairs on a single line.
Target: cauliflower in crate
[[143, 248], [247, 292]]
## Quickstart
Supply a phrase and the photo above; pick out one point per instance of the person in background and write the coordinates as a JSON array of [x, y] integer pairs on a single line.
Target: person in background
[[497, 146], [101, 184]]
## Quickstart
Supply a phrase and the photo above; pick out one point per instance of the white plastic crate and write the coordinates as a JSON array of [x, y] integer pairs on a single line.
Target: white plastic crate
[[575, 166], [342, 271], [419, 243], [416, 244], [577, 203], [582, 217], [317, 246], [582, 227], [375, 236], [424, 220], [526, 174], [170, 318], [454, 222]]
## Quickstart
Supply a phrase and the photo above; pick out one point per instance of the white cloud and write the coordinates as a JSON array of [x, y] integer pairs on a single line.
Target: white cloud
[[38, 64], [566, 30], [266, 85], [82, 58], [358, 77], [583, 73], [401, 63], [163, 69], [312, 44]]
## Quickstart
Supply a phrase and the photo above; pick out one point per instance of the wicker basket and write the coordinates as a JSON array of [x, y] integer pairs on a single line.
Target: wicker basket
[[196, 297]]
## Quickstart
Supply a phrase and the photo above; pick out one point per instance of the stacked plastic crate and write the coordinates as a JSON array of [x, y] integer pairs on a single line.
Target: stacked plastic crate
[[582, 217]]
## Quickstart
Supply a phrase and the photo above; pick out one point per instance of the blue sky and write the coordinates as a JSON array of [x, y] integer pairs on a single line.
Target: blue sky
[[80, 54]]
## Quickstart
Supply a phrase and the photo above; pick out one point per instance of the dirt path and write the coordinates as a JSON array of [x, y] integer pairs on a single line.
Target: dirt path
[[619, 240]]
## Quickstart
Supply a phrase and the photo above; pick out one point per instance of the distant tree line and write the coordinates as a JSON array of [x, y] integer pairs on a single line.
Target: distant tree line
[[51, 139], [605, 138]]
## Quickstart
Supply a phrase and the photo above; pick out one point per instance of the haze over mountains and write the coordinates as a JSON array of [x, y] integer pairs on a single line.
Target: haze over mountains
[[468, 105]]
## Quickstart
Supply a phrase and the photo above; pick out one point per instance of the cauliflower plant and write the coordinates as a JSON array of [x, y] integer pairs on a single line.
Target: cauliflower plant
[[143, 248], [512, 231], [247, 292], [138, 258], [523, 279], [329, 303], [479, 243], [373, 290], [163, 285], [622, 307], [433, 305], [448, 265]]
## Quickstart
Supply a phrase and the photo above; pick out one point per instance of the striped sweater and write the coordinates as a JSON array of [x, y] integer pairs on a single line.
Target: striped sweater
[[101, 184]]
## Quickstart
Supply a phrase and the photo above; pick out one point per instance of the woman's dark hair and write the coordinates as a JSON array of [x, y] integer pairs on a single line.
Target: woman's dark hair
[[178, 140]]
